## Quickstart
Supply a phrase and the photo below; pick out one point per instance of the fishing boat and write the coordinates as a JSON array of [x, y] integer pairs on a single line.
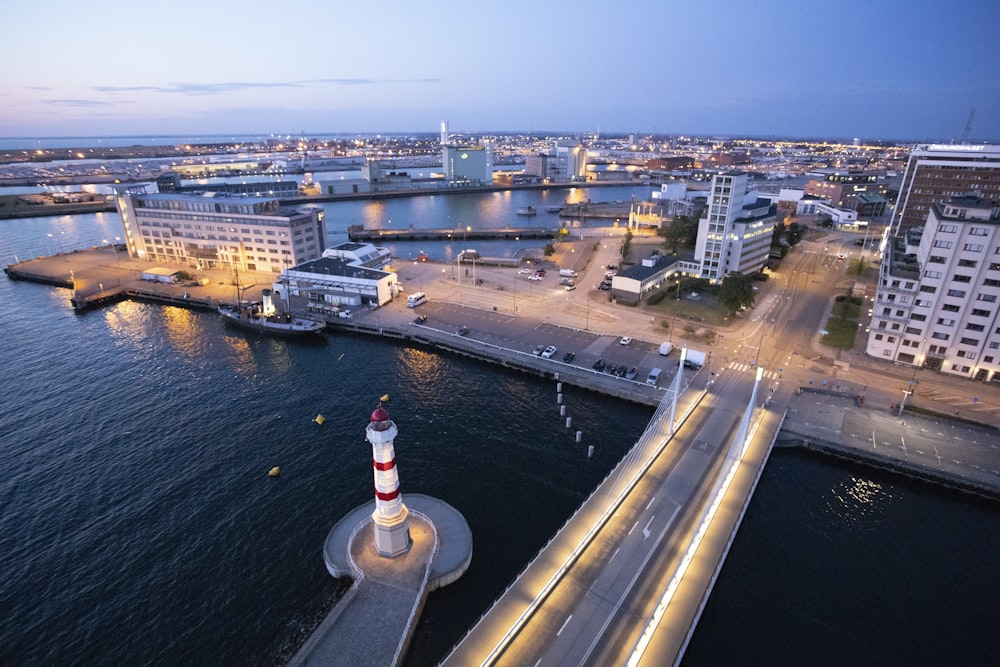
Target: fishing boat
[[527, 210], [263, 317]]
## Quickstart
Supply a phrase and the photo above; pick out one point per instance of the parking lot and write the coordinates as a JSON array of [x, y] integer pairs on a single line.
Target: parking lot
[[532, 338]]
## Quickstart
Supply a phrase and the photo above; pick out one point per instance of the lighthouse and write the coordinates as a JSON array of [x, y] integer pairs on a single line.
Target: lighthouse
[[390, 518]]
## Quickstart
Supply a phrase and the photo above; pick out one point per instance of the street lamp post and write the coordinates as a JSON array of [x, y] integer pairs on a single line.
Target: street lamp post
[[909, 391]]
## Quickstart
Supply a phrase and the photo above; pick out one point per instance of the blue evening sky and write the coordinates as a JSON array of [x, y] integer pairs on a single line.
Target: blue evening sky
[[889, 69]]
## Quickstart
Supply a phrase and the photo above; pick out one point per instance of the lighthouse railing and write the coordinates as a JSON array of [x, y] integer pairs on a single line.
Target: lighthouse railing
[[421, 592]]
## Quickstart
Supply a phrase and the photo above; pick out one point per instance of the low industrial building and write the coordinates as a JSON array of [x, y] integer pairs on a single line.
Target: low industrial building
[[637, 282], [349, 275]]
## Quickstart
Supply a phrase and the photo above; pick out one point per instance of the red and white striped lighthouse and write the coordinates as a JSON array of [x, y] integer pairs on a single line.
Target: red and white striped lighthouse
[[390, 518]]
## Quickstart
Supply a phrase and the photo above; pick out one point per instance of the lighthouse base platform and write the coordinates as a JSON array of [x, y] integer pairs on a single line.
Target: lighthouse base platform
[[388, 593]]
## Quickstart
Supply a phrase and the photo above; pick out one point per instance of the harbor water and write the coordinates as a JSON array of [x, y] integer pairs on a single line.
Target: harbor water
[[139, 524]]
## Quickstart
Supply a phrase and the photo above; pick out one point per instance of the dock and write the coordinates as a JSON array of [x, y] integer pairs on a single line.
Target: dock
[[360, 233]]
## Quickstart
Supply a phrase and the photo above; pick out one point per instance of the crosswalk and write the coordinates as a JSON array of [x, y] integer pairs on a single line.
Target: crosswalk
[[743, 368]]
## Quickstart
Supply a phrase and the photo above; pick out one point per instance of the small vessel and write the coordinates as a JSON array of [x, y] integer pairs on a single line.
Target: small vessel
[[263, 317], [553, 209], [527, 210]]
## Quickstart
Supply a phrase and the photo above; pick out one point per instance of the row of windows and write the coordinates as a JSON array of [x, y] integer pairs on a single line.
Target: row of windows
[[973, 231]]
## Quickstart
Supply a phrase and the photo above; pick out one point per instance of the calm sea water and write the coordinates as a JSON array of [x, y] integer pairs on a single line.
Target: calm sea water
[[139, 525]]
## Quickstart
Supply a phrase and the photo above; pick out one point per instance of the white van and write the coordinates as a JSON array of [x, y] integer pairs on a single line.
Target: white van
[[654, 376], [666, 348], [416, 299]]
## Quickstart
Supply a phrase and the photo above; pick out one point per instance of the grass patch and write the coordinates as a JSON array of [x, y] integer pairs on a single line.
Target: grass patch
[[840, 334]]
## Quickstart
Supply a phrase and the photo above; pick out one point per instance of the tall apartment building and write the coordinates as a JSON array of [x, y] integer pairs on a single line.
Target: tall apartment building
[[216, 230], [938, 301], [735, 231], [937, 172]]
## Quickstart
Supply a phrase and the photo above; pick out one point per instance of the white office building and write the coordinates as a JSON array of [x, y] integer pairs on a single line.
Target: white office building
[[349, 275], [736, 229], [218, 230], [938, 299]]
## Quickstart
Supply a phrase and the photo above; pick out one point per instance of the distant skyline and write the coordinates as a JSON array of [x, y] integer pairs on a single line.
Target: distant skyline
[[892, 70]]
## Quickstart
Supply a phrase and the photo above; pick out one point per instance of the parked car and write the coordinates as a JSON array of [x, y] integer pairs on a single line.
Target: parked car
[[632, 372], [568, 357], [548, 352], [622, 371], [534, 276], [524, 272], [463, 331], [538, 350], [610, 369], [570, 288], [625, 340], [420, 320], [598, 365], [604, 286]]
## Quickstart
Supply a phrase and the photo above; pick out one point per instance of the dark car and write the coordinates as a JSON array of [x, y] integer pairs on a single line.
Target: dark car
[[598, 365], [622, 370], [568, 357], [632, 372], [613, 267], [462, 331], [420, 320], [610, 369]]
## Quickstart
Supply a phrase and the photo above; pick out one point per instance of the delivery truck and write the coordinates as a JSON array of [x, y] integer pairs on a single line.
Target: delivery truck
[[694, 359]]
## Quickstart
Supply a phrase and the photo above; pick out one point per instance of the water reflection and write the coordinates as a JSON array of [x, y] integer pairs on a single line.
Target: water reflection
[[858, 498]]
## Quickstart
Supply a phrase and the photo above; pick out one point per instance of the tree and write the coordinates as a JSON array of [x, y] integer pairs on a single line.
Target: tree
[[736, 292]]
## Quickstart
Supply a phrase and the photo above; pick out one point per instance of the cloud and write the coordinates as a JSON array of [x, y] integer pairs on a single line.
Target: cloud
[[188, 88], [79, 103]]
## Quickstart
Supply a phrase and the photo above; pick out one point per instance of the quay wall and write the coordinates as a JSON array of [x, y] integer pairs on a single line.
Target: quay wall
[[872, 459]]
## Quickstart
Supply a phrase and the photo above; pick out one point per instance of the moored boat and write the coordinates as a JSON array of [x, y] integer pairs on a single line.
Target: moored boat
[[250, 316], [263, 317], [527, 210]]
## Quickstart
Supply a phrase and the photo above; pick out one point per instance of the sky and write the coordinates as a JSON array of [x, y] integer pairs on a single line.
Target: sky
[[876, 69]]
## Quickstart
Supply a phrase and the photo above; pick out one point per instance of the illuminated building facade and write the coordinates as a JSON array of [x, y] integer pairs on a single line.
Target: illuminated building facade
[[735, 231], [937, 172], [218, 230], [938, 301]]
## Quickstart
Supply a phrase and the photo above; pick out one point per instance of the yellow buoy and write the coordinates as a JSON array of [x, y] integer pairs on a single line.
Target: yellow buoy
[[385, 398], [274, 472], [320, 419]]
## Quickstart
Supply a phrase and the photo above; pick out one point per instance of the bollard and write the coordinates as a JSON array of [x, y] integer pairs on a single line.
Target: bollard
[[559, 399], [559, 387], [590, 451], [562, 410], [579, 436], [569, 422]]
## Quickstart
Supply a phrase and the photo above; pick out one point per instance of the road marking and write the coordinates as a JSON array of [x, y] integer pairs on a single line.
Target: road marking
[[645, 531], [632, 528], [565, 623], [651, 501], [614, 554]]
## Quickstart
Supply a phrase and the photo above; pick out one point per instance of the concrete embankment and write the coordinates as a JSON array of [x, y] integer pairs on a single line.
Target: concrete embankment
[[957, 454]]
